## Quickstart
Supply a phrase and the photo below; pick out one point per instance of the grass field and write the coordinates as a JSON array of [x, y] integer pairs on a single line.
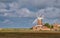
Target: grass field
[[27, 33]]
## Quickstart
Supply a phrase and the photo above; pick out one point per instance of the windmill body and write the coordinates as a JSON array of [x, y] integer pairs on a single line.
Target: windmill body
[[39, 26], [39, 23]]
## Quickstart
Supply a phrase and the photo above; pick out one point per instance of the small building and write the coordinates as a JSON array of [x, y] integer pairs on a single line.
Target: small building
[[45, 28], [56, 26], [38, 28]]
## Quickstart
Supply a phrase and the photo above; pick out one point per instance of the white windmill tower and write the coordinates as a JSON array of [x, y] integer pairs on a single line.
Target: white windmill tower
[[39, 25], [39, 20]]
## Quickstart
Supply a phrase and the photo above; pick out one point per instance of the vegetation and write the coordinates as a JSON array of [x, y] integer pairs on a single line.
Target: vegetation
[[15, 29], [31, 28], [48, 25], [28, 35]]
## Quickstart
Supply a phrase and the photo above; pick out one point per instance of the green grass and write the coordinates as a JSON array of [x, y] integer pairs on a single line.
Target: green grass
[[25, 30], [14, 29]]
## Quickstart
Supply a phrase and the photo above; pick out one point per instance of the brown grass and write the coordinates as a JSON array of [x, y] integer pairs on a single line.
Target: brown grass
[[28, 33]]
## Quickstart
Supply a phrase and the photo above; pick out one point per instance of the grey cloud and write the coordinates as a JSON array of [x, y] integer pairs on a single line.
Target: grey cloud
[[7, 21], [2, 5], [24, 12], [50, 12], [13, 5], [7, 1], [51, 8], [45, 3], [37, 3]]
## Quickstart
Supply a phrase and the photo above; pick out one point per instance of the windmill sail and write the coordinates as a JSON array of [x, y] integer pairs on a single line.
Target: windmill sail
[[35, 21], [38, 18]]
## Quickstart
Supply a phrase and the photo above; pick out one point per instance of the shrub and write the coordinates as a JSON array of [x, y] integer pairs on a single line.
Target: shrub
[[48, 25]]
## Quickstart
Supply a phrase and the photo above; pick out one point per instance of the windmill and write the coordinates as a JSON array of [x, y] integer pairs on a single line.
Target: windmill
[[39, 20], [39, 25]]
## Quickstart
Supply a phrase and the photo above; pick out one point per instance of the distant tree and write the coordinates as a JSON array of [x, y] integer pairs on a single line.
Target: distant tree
[[51, 26], [48, 25], [31, 28]]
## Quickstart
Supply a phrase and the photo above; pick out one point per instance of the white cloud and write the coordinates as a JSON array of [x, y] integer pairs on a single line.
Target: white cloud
[[2, 5], [14, 5], [3, 10], [49, 8], [23, 2], [50, 12], [43, 3], [15, 9], [7, 21], [35, 3], [5, 14], [24, 12]]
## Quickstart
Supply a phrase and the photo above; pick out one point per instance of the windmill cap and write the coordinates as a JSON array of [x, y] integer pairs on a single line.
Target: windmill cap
[[40, 17]]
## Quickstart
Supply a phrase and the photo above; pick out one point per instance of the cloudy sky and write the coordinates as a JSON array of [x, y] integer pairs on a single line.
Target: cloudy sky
[[29, 8]]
